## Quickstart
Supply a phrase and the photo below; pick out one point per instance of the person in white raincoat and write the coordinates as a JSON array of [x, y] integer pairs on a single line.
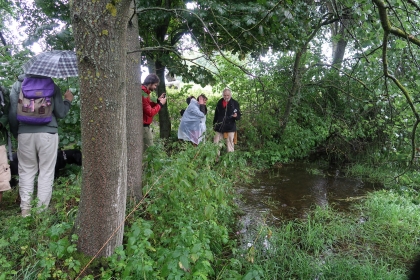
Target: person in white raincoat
[[193, 121]]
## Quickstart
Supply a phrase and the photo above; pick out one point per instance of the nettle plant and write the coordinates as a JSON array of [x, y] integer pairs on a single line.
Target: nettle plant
[[186, 219]]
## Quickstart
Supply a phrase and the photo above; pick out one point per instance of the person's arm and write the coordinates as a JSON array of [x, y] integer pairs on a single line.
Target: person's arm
[[61, 107], [150, 108], [216, 112], [14, 96], [238, 111], [203, 109], [195, 109]]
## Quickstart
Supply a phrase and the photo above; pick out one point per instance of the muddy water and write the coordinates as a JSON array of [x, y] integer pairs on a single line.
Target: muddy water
[[290, 191]]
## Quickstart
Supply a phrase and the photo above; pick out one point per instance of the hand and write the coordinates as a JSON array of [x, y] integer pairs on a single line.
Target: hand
[[235, 115], [68, 95], [162, 99]]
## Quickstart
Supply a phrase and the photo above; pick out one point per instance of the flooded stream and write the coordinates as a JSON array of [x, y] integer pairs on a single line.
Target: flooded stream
[[290, 191]]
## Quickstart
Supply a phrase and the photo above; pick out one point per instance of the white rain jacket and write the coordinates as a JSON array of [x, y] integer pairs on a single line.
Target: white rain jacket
[[193, 123]]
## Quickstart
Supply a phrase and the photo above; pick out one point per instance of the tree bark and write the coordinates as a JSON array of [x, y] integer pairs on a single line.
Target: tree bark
[[164, 120], [134, 110], [100, 29], [296, 79]]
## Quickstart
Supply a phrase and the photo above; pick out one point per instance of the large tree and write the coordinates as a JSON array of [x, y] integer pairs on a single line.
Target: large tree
[[100, 30], [134, 109]]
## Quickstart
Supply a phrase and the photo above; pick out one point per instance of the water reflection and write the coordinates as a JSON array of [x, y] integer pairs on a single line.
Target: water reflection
[[289, 191]]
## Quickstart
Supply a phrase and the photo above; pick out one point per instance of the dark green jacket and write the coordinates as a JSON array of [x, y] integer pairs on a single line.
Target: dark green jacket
[[4, 115]]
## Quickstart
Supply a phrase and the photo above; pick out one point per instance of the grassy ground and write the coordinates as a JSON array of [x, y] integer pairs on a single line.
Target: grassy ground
[[186, 232]]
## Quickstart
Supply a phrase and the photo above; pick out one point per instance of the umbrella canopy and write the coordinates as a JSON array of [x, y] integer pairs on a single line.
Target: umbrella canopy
[[54, 64]]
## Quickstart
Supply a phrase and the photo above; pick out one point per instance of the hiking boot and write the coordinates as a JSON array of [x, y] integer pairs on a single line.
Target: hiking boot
[[26, 212]]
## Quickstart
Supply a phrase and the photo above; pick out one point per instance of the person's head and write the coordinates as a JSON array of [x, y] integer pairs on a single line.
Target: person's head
[[203, 97], [189, 99], [151, 82], [227, 94]]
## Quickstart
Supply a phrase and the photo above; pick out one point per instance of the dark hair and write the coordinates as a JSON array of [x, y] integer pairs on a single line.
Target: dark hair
[[189, 99], [202, 95], [151, 79]]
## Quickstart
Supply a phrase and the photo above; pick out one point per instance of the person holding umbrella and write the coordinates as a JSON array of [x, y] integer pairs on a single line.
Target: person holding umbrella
[[38, 143]]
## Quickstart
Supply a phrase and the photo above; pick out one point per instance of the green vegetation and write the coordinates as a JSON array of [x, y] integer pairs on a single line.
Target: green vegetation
[[357, 109], [186, 228]]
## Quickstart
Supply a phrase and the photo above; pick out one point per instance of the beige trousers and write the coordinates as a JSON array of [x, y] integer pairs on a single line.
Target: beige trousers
[[147, 137], [36, 152], [5, 175], [229, 140]]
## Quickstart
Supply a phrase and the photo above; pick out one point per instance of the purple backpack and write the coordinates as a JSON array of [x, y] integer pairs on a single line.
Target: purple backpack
[[35, 101]]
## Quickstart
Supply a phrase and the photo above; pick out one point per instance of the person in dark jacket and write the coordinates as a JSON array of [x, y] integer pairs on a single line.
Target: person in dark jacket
[[226, 114], [150, 108]]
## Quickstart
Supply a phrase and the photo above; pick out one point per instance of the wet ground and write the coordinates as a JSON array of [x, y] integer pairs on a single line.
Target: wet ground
[[290, 191]]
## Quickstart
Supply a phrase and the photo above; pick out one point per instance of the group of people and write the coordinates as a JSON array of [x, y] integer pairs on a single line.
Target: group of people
[[193, 121], [37, 142]]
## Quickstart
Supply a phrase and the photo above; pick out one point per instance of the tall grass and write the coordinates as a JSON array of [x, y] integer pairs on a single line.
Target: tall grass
[[378, 240]]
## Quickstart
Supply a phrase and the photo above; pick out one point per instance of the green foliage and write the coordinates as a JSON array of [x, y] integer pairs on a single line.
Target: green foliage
[[345, 113], [185, 227], [183, 230], [50, 21], [188, 215], [69, 128], [42, 245], [11, 66]]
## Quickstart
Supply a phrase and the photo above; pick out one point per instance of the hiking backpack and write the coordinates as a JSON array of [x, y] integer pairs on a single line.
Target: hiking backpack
[[35, 101]]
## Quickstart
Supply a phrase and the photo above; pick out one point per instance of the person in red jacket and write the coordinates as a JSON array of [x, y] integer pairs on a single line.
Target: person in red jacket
[[150, 108]]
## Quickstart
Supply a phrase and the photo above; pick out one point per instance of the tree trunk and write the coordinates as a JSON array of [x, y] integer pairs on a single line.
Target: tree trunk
[[164, 120], [100, 36], [296, 79], [151, 65], [339, 30], [134, 110]]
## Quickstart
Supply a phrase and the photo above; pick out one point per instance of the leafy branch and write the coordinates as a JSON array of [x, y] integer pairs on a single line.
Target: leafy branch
[[389, 29]]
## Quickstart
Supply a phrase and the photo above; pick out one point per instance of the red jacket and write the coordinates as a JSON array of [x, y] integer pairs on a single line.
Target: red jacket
[[150, 109]]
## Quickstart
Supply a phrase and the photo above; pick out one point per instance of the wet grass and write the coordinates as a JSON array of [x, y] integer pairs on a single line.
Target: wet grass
[[378, 239]]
